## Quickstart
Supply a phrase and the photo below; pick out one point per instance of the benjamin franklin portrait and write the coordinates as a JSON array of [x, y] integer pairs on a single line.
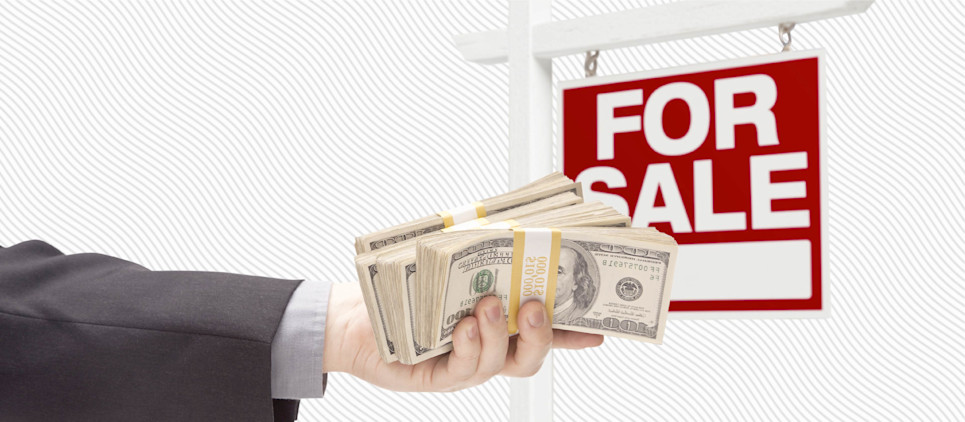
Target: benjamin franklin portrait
[[577, 282]]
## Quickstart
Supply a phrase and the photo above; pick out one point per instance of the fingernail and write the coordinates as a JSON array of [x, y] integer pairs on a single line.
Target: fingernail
[[537, 319], [493, 313], [472, 331]]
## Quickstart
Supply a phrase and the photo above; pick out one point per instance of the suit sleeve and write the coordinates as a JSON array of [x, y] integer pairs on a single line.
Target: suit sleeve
[[297, 350], [91, 337]]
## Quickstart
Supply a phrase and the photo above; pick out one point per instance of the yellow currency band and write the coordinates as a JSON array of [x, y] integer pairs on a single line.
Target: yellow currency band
[[475, 224], [505, 225], [534, 270], [459, 215], [446, 219]]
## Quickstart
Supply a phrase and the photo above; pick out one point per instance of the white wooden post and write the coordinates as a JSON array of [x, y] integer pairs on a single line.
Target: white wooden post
[[530, 96], [530, 157]]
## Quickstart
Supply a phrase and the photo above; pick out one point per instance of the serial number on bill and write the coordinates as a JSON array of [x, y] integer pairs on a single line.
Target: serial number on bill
[[618, 263]]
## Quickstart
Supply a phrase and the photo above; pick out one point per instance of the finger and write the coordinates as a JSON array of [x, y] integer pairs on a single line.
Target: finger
[[575, 340], [494, 337], [533, 342], [455, 370]]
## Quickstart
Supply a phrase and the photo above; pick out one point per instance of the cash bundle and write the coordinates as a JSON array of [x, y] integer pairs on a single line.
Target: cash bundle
[[592, 271]]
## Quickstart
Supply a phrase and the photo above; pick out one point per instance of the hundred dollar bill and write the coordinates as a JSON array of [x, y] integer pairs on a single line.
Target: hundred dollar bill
[[612, 281]]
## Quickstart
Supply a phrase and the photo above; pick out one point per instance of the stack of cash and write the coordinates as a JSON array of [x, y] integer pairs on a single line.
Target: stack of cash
[[603, 280], [594, 273], [376, 288], [399, 270]]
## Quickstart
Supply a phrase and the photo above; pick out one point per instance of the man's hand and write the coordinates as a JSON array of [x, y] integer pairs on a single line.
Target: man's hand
[[481, 346]]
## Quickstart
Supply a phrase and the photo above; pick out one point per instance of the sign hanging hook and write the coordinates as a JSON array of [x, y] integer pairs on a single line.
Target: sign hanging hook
[[784, 34], [589, 63]]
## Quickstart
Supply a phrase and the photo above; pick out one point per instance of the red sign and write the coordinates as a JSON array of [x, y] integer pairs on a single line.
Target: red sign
[[728, 158]]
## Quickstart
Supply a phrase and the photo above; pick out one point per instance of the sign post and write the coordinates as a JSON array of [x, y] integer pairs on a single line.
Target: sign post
[[530, 157], [530, 44]]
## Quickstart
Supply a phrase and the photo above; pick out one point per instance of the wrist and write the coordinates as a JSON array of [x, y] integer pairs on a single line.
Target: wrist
[[344, 303]]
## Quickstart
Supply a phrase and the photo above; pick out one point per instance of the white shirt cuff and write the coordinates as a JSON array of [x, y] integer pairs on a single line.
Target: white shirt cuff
[[296, 350]]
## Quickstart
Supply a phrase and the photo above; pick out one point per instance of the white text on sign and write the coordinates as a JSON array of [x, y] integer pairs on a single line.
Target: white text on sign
[[659, 177]]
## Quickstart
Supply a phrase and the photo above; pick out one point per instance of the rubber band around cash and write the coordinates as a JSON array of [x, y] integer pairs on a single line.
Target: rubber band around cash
[[505, 224], [482, 223], [536, 260], [463, 214], [468, 225]]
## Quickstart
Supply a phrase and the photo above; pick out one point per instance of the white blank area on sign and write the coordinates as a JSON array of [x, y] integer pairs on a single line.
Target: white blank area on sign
[[774, 269]]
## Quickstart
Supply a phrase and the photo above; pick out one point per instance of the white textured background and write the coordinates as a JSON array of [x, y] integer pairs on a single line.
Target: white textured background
[[261, 137]]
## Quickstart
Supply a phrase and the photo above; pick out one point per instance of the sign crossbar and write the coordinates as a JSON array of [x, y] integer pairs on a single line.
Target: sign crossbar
[[673, 21]]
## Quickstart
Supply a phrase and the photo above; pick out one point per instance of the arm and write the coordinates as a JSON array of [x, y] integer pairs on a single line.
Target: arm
[[92, 337], [161, 344]]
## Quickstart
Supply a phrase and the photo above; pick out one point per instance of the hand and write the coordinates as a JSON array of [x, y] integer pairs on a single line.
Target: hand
[[481, 346]]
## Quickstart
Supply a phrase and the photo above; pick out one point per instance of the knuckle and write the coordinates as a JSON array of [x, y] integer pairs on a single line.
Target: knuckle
[[529, 371], [495, 369], [452, 388], [464, 376], [542, 339], [465, 370], [487, 372]]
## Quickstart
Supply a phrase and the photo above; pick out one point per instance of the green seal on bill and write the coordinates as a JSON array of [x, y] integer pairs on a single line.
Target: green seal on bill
[[483, 281]]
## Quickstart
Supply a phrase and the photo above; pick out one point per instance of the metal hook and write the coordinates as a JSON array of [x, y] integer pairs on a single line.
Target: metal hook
[[589, 64], [784, 30]]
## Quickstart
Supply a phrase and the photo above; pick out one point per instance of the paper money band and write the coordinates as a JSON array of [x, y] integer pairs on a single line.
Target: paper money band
[[536, 260], [469, 225], [505, 224], [463, 214], [482, 223]]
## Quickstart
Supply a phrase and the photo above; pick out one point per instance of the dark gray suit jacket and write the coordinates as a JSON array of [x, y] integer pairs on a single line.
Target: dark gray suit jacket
[[88, 337]]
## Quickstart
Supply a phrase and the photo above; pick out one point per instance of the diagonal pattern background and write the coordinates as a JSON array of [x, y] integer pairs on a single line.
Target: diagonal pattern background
[[261, 137]]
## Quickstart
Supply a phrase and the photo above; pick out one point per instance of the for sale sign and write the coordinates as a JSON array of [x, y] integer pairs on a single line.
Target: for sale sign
[[727, 157]]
